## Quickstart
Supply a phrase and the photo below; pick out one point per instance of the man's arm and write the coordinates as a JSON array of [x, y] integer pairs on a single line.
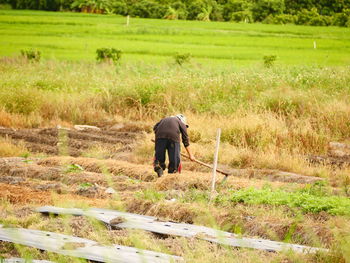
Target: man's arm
[[155, 126], [190, 155]]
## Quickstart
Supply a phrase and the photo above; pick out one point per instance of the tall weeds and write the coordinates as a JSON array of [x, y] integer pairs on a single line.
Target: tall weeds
[[286, 108]]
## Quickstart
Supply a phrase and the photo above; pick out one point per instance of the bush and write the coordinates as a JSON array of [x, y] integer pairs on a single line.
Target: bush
[[235, 6], [31, 55], [312, 18], [321, 21], [108, 55], [281, 19], [342, 19], [263, 8], [242, 16], [269, 60], [5, 7], [180, 59], [147, 9]]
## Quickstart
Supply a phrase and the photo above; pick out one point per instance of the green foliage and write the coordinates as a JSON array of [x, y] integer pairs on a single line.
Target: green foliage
[[147, 9], [31, 55], [269, 60], [93, 6], [281, 19], [108, 55], [195, 195], [342, 19], [263, 8], [85, 185], [182, 58], [5, 6], [306, 201], [242, 16], [312, 18], [305, 12], [235, 9], [150, 194], [74, 168]]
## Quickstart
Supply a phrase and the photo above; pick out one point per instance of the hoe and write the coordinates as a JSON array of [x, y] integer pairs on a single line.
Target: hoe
[[227, 174]]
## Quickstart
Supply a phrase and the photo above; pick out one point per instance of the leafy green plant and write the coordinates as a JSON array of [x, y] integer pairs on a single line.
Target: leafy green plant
[[269, 60], [85, 185], [31, 55], [181, 59], [195, 195], [108, 55], [74, 168], [150, 194], [307, 202]]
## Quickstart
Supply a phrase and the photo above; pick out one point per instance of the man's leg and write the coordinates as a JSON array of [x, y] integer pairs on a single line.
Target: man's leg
[[174, 156], [159, 156]]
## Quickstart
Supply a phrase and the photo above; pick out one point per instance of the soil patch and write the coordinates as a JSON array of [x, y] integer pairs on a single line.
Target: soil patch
[[53, 141], [109, 166]]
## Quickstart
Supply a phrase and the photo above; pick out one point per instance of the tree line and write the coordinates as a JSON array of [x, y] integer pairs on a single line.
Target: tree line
[[301, 12]]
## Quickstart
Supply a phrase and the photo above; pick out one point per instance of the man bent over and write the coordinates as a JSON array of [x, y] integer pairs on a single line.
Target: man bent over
[[167, 132]]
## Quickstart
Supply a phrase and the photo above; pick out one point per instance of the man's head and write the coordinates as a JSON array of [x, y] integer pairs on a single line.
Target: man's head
[[182, 118]]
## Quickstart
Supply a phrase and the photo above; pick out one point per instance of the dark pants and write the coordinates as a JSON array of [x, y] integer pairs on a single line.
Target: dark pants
[[173, 148]]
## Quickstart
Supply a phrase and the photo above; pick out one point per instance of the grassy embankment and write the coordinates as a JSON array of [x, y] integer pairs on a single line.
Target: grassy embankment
[[271, 118]]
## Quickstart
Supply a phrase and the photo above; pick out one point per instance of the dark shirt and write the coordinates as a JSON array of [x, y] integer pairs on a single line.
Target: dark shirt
[[170, 128]]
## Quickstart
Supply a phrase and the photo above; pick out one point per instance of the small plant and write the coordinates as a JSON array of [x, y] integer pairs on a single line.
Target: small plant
[[269, 60], [180, 59], [85, 185], [31, 55], [74, 168], [150, 194], [110, 55]]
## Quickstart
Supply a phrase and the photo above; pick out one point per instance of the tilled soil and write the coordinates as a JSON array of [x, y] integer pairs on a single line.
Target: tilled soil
[[74, 179], [54, 141]]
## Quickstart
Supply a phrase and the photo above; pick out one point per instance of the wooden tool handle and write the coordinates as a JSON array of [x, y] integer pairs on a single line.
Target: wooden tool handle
[[202, 163]]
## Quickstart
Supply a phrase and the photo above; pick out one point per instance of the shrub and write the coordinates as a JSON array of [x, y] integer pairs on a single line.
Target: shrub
[[242, 16], [269, 60], [31, 55], [108, 55], [180, 59], [313, 18], [235, 6], [5, 7], [281, 19], [321, 21], [342, 19], [263, 8]]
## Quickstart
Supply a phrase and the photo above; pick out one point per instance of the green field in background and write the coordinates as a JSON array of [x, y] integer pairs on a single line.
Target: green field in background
[[76, 36]]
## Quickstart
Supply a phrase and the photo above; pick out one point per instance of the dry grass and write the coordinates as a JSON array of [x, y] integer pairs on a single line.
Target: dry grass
[[9, 149]]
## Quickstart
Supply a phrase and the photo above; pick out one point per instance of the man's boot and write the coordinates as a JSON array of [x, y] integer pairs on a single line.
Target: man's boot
[[159, 171]]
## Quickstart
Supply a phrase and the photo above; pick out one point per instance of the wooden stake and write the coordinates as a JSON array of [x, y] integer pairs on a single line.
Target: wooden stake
[[216, 155], [315, 45], [127, 20]]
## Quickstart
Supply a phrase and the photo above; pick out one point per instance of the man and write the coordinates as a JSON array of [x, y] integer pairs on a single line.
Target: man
[[167, 133]]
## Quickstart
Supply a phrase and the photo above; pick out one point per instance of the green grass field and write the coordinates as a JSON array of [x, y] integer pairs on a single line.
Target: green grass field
[[75, 36]]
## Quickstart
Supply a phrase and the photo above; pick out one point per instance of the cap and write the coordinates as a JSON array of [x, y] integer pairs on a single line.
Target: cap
[[182, 118]]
